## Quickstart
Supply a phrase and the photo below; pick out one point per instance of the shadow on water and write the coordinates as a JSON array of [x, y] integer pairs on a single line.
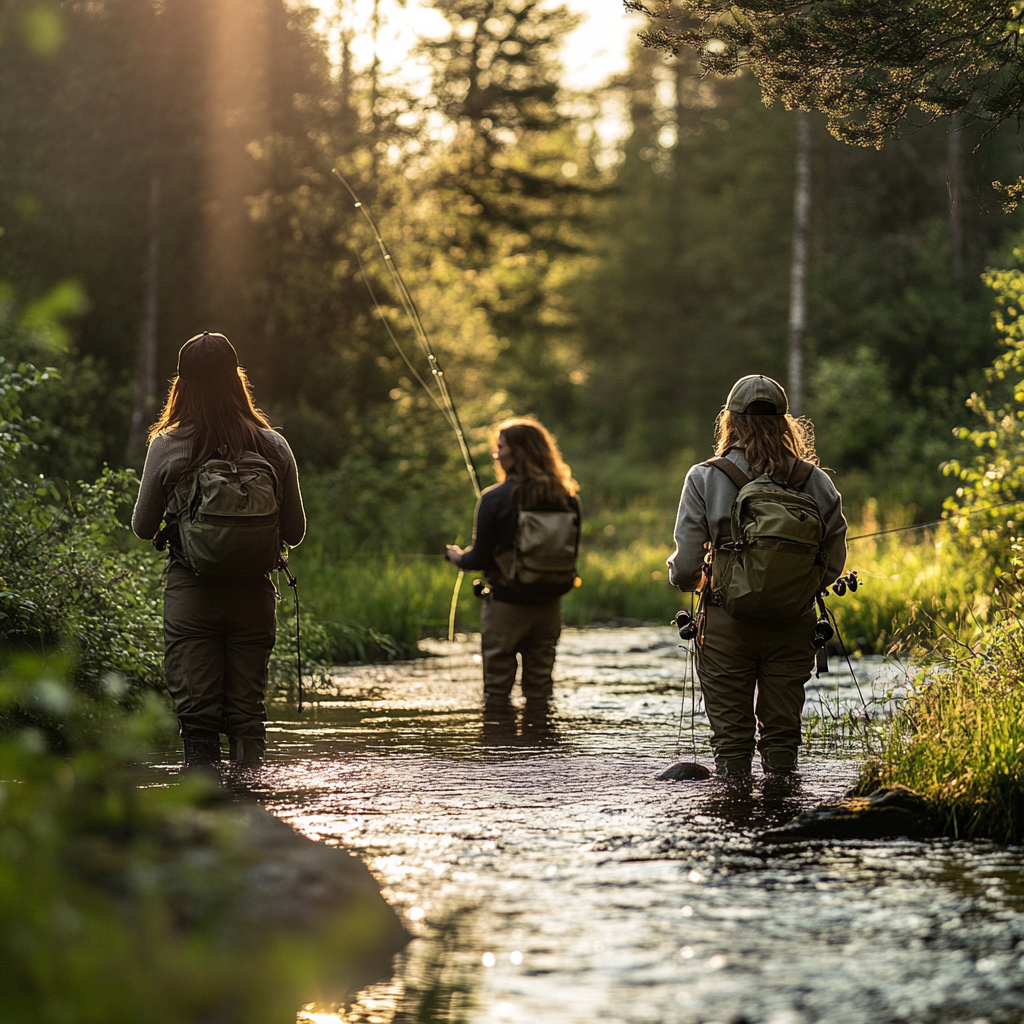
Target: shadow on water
[[549, 877]]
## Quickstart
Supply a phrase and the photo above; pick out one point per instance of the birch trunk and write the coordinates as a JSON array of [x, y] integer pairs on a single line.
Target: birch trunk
[[955, 189], [798, 267]]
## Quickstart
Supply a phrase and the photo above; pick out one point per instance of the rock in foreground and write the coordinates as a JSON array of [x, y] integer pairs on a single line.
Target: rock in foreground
[[885, 814]]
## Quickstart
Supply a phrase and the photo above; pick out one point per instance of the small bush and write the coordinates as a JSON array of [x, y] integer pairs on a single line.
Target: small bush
[[71, 578]]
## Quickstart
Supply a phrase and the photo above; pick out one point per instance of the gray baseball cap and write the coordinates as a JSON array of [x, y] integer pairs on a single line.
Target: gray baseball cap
[[766, 395]]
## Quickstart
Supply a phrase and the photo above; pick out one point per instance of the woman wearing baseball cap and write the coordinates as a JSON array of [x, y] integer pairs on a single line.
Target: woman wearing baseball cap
[[752, 671], [219, 630]]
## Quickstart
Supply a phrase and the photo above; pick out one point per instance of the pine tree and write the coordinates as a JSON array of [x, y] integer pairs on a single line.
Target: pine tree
[[867, 64]]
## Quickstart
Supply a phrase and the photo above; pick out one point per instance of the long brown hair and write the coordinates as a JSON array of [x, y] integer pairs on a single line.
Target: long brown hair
[[541, 475], [768, 442], [219, 415]]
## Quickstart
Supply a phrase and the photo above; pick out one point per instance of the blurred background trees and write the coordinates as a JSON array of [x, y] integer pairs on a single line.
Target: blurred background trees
[[173, 160]]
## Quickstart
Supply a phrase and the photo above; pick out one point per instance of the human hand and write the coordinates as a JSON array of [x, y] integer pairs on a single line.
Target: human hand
[[453, 553]]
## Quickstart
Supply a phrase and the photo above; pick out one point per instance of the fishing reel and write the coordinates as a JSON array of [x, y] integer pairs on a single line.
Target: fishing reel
[[686, 624], [481, 589], [847, 582], [823, 632]]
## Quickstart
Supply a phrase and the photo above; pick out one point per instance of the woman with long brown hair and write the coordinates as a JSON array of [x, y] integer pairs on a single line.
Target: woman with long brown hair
[[226, 488], [752, 670], [521, 615]]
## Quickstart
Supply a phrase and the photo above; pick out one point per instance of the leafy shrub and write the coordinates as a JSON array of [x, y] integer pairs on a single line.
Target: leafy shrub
[[119, 901], [70, 580], [994, 479]]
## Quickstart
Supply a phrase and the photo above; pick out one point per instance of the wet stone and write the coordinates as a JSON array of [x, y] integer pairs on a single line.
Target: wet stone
[[884, 814]]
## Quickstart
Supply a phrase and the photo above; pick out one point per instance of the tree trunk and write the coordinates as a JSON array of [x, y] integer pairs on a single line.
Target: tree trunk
[[955, 190], [144, 400], [798, 267]]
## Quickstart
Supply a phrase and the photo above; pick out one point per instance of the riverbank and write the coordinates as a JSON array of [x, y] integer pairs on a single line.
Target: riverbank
[[958, 737], [128, 896]]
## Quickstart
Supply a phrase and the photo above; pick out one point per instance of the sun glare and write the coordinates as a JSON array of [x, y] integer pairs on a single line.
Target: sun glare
[[596, 50]]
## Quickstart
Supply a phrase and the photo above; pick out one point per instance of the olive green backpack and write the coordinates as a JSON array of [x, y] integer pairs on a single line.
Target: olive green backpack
[[774, 563], [228, 517]]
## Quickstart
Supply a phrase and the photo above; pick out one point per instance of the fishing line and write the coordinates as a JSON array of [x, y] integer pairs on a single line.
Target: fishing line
[[446, 405], [849, 664], [394, 338], [934, 522], [689, 675]]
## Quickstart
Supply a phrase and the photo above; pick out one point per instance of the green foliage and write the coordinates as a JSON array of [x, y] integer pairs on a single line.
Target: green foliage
[[992, 482], [70, 581], [71, 414], [691, 288], [118, 900], [959, 737], [867, 65]]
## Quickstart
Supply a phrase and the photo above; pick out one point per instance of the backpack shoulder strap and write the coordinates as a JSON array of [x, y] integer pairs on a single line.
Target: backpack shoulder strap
[[800, 474], [731, 470]]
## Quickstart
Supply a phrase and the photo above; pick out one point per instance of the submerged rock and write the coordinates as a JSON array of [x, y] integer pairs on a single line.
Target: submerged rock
[[683, 771], [884, 814]]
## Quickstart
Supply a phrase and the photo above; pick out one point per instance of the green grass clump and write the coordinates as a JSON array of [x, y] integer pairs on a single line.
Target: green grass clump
[[959, 738]]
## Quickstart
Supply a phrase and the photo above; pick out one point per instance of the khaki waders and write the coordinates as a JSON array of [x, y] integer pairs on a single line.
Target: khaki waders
[[529, 630], [752, 676], [218, 636]]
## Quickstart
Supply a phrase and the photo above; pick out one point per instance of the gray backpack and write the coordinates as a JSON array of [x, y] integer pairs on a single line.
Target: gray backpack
[[774, 563], [228, 517]]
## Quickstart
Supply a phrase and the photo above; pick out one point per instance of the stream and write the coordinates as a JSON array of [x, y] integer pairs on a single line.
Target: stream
[[548, 877]]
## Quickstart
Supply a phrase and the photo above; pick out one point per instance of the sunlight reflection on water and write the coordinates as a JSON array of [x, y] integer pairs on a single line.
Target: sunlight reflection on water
[[550, 878]]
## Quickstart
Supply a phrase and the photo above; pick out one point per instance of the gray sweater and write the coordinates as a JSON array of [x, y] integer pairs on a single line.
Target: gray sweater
[[704, 515], [168, 458]]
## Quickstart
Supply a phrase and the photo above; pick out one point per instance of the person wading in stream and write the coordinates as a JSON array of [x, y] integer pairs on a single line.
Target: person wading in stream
[[753, 662], [525, 539], [227, 488]]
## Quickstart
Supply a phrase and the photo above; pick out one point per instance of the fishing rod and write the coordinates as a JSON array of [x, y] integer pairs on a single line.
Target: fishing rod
[[443, 399]]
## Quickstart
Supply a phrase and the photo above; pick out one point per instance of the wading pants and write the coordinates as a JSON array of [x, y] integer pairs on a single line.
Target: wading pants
[[218, 635], [529, 630], [752, 676]]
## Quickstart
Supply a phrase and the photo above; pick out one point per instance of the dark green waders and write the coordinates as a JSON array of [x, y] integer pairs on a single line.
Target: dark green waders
[[529, 630], [752, 676], [218, 636]]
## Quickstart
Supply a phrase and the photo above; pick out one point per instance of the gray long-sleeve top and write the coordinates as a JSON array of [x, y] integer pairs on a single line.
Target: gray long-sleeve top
[[169, 457], [705, 510]]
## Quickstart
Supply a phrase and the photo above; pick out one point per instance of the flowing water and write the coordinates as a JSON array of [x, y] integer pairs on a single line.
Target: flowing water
[[549, 877]]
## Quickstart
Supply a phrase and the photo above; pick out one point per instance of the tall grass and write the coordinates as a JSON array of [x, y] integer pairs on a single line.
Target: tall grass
[[910, 583], [959, 738]]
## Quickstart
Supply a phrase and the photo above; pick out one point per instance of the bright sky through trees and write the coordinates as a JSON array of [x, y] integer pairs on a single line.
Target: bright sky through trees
[[597, 49]]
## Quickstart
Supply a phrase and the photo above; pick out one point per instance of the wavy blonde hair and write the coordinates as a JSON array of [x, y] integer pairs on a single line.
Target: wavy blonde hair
[[541, 474], [768, 442]]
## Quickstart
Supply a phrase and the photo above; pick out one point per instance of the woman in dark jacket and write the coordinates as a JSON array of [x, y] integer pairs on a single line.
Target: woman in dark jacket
[[219, 630], [523, 619]]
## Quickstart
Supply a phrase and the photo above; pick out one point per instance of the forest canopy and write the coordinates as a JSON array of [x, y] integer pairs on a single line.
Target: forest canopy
[[614, 284], [869, 65]]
